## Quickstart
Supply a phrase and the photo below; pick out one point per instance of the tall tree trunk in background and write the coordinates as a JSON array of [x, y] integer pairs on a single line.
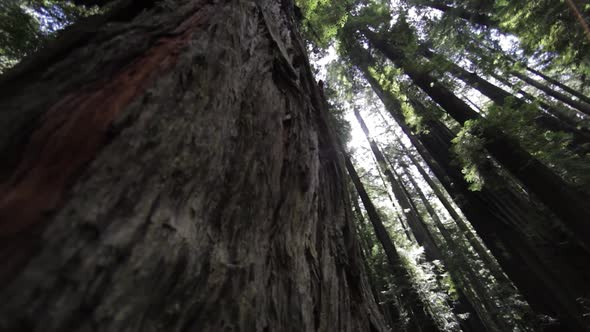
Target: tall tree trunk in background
[[560, 85], [501, 97], [578, 105], [174, 170], [500, 217], [401, 219], [552, 190], [485, 49], [458, 269], [390, 308], [411, 214], [418, 226], [420, 317], [489, 261], [570, 118]]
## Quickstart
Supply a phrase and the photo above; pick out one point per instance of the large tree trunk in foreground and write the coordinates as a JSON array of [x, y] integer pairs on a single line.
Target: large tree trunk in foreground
[[177, 174]]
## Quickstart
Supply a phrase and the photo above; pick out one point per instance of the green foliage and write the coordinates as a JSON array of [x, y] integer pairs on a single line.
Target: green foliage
[[386, 77], [468, 148], [551, 148], [322, 19], [548, 146], [25, 25], [546, 26], [20, 33], [337, 115]]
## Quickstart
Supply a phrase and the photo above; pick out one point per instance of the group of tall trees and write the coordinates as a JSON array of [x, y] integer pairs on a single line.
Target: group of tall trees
[[174, 165], [505, 140]]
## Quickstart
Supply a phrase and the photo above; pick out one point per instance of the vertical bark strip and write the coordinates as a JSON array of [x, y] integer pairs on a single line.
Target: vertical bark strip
[[179, 175]]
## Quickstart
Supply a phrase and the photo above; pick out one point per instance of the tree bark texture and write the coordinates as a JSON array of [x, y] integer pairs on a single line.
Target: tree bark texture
[[173, 170]]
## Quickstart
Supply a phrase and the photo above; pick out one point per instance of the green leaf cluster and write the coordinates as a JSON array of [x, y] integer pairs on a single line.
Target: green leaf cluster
[[468, 149], [550, 147], [25, 25]]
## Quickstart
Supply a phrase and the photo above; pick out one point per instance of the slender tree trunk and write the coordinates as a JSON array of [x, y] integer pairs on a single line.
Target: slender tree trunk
[[420, 317], [411, 214], [368, 242], [475, 18], [500, 97], [577, 105], [174, 170], [543, 283], [483, 253], [457, 270], [553, 191], [570, 119], [390, 309], [560, 85], [465, 273], [421, 232], [547, 78], [401, 218]]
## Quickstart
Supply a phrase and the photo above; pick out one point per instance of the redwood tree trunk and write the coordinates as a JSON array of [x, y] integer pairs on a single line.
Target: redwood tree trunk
[[482, 252], [173, 170]]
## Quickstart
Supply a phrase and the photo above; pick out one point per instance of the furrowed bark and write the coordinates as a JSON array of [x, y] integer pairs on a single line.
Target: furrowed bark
[[178, 173]]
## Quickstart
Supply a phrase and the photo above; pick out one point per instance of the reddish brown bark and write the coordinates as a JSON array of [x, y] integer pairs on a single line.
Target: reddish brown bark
[[178, 173]]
